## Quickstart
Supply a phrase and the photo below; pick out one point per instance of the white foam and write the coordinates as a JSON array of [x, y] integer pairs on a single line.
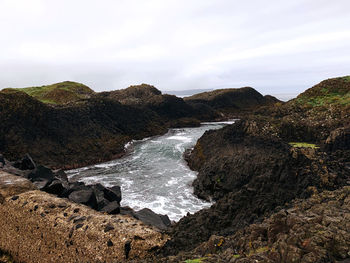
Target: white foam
[[180, 138]]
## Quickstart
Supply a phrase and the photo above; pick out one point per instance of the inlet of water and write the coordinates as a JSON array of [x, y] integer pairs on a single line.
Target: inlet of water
[[153, 173]]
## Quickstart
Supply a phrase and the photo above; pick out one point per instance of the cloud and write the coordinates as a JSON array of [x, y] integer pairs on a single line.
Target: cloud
[[274, 46]]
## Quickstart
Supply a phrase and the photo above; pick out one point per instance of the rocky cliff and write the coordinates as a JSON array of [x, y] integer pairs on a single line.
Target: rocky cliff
[[257, 167]]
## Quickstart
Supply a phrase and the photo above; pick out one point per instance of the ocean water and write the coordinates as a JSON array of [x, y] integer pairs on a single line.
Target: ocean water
[[153, 173]]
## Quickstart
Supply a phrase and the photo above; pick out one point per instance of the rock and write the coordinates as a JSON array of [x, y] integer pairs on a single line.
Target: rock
[[113, 193], [149, 217], [15, 171], [111, 208], [61, 175], [71, 187], [56, 187], [40, 173], [26, 163], [100, 196], [338, 139], [86, 197], [41, 183]]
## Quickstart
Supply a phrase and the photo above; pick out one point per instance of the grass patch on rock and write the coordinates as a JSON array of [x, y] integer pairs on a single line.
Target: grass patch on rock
[[59, 93], [197, 260], [303, 145]]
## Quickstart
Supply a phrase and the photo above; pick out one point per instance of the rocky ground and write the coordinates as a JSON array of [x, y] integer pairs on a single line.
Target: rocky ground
[[255, 170]]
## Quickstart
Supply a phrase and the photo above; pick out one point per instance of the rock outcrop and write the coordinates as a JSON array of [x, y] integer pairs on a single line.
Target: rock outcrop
[[90, 131], [233, 101], [258, 166], [309, 231], [39, 227]]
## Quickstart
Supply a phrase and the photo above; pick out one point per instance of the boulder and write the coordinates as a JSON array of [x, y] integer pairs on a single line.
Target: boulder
[[100, 196], [86, 197], [149, 217], [111, 208], [26, 163], [56, 187], [113, 193], [61, 175], [41, 184], [40, 173]]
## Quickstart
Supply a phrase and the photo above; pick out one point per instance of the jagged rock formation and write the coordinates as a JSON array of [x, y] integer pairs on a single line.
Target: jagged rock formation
[[310, 231], [260, 165], [87, 132]]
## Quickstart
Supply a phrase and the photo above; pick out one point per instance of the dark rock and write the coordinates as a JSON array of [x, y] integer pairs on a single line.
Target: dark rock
[[100, 196], [109, 243], [251, 173], [79, 219], [40, 173], [125, 210], [149, 217], [111, 208], [71, 187], [61, 175], [79, 226], [113, 193], [108, 227], [2, 199], [86, 197], [26, 163], [338, 139], [41, 184], [56, 187], [15, 197]]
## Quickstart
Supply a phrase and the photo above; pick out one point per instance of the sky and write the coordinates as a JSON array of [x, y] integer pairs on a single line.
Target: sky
[[274, 46]]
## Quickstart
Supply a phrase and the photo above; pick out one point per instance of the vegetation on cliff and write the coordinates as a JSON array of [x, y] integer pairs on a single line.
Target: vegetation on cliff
[[59, 93]]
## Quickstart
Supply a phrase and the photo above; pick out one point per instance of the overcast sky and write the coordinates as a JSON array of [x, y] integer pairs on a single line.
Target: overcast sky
[[274, 46]]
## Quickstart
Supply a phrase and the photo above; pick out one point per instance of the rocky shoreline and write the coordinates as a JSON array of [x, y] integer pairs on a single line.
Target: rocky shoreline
[[258, 167], [280, 178]]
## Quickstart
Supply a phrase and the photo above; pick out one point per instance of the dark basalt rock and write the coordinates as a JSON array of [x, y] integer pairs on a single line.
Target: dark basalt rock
[[251, 173], [113, 193], [86, 197], [26, 163], [40, 173], [151, 218], [111, 208], [56, 187], [338, 139]]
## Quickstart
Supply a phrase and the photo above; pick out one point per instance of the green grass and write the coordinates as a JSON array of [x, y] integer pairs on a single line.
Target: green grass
[[58, 93], [346, 78], [303, 145], [197, 260]]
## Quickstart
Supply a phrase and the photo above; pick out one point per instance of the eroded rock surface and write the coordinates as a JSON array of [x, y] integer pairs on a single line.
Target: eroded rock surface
[[39, 227]]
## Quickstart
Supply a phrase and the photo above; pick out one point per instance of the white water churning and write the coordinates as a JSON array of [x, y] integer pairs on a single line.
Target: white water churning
[[153, 173]]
